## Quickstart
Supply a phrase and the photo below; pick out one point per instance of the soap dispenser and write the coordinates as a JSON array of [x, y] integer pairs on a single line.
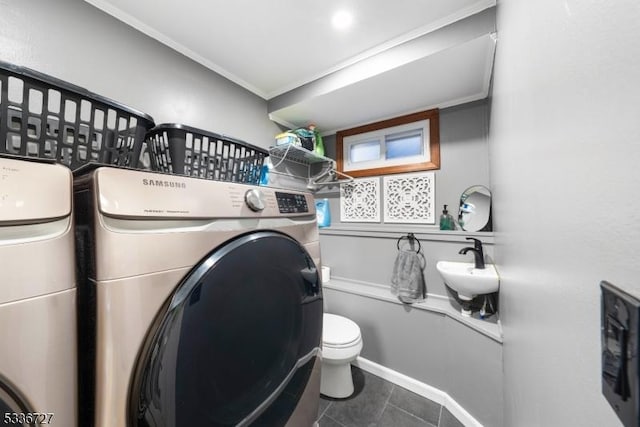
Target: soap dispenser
[[446, 220]]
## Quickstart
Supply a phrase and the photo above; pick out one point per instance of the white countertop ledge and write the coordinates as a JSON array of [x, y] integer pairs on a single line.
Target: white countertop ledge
[[433, 303], [422, 233]]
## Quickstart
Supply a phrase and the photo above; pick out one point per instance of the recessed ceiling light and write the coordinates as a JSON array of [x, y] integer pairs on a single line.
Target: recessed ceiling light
[[342, 20]]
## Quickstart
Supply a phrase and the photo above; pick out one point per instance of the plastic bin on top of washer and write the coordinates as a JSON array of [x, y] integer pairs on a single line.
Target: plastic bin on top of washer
[[184, 150], [45, 117]]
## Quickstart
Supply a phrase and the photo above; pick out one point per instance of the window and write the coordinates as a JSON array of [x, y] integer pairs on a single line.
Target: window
[[366, 151], [404, 144]]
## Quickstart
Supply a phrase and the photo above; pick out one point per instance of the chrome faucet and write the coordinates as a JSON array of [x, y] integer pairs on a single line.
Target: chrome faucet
[[478, 253]]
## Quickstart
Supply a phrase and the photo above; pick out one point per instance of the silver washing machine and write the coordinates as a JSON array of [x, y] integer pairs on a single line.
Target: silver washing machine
[[37, 295], [206, 301]]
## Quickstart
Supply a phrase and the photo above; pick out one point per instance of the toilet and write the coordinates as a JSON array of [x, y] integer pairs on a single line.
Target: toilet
[[341, 344]]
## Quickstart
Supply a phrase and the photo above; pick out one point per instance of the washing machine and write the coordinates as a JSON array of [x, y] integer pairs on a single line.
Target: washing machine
[[205, 300], [37, 295]]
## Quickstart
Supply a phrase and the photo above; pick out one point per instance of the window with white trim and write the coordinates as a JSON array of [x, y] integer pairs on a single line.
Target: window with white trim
[[403, 144]]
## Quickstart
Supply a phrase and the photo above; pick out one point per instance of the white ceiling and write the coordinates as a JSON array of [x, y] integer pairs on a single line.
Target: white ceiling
[[272, 47], [449, 77]]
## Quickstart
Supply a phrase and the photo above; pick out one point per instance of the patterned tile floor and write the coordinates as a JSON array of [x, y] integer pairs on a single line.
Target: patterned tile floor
[[377, 402]]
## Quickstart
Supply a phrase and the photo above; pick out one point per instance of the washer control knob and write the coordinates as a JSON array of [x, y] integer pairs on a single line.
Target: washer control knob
[[253, 199]]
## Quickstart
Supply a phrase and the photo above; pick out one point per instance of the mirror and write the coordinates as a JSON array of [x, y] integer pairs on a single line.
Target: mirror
[[475, 209]]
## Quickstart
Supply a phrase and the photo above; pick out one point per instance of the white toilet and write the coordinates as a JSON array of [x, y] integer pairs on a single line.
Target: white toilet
[[341, 344]]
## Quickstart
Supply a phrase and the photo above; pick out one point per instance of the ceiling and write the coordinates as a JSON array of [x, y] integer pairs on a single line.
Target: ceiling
[[275, 48]]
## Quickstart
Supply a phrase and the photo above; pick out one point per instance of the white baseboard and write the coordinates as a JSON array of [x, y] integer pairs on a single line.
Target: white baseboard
[[420, 388]]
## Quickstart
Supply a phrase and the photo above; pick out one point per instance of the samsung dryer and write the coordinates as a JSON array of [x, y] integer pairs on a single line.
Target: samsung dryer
[[37, 295], [206, 299]]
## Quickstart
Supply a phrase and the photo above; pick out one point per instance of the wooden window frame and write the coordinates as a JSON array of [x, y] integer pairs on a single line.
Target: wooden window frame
[[433, 116]]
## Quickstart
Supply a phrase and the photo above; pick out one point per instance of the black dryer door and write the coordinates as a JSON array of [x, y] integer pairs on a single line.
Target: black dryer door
[[13, 407], [231, 337]]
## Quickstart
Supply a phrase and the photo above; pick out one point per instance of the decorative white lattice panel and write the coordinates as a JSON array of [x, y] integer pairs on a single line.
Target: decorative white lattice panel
[[360, 200], [410, 198]]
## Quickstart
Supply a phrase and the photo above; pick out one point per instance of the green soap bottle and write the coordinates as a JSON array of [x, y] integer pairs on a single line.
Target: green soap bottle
[[446, 220], [318, 146]]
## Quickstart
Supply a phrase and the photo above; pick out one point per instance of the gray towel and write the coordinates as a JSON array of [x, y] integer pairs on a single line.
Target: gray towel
[[408, 281]]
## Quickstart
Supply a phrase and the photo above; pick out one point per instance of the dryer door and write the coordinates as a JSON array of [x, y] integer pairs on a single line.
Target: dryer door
[[13, 409], [244, 325]]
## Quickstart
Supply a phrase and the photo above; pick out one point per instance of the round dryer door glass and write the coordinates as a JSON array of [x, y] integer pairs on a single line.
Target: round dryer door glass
[[236, 331]]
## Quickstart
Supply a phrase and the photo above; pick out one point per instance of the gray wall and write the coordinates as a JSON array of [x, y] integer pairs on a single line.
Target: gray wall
[[76, 42], [564, 153], [369, 258], [464, 156], [430, 347]]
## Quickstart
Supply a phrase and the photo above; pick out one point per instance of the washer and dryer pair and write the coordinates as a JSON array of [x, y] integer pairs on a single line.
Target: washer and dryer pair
[[199, 303]]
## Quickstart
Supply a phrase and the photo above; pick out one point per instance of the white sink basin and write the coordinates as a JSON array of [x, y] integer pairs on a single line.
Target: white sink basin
[[467, 280]]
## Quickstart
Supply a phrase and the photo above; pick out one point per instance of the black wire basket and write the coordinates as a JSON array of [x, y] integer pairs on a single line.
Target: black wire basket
[[184, 150], [44, 117]]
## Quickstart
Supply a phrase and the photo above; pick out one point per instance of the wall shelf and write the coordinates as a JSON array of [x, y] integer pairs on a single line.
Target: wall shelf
[[290, 159], [392, 231], [292, 153], [491, 328]]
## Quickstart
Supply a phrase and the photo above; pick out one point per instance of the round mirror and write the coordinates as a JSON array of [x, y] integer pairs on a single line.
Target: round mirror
[[475, 209]]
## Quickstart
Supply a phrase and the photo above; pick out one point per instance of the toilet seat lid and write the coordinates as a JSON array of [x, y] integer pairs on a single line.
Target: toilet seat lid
[[339, 331]]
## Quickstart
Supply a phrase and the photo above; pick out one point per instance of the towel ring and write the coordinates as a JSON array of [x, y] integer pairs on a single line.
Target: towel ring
[[411, 238]]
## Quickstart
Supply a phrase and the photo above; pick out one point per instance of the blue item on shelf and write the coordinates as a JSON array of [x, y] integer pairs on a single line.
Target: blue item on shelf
[[323, 213]]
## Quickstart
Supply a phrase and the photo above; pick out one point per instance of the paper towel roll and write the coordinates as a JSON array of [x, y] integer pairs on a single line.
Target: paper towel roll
[[325, 273]]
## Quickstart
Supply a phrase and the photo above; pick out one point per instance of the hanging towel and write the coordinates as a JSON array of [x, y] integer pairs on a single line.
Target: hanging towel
[[408, 281]]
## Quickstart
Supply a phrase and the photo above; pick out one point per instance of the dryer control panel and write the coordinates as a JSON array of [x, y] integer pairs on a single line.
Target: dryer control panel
[[154, 195], [291, 203]]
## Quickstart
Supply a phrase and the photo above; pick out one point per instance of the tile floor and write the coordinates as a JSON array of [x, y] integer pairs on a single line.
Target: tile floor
[[377, 402]]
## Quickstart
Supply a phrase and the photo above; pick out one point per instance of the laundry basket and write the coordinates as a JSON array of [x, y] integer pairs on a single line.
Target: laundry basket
[[42, 116], [184, 150]]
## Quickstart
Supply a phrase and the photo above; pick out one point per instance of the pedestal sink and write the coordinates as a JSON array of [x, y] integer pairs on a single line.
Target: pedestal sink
[[467, 280]]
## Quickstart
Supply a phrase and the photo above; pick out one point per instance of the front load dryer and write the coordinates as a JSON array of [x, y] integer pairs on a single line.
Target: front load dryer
[[37, 295], [206, 300]]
